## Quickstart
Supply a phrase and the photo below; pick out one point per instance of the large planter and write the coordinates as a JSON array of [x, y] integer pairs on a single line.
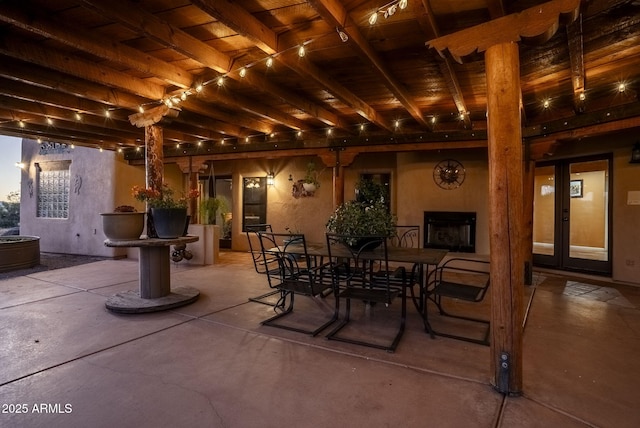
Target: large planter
[[19, 252], [169, 223], [122, 226]]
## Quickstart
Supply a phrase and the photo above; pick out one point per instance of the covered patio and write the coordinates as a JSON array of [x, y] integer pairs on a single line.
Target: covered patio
[[211, 363]]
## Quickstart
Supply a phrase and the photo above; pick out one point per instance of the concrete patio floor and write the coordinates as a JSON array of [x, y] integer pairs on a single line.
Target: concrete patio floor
[[68, 362]]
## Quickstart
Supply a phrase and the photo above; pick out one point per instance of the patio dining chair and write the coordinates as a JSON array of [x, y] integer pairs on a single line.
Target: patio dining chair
[[261, 264], [352, 261], [297, 273], [460, 279], [405, 274]]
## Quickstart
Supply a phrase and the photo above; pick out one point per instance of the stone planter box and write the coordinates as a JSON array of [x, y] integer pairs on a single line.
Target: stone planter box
[[206, 250], [19, 252]]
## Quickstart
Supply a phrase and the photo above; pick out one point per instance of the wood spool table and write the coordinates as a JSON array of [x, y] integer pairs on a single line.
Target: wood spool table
[[155, 292]]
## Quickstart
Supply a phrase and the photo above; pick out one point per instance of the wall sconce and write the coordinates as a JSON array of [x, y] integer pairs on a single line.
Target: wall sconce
[[270, 178], [635, 153], [20, 165]]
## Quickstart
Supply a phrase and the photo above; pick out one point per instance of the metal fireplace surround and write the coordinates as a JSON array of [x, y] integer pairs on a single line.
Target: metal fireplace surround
[[450, 230]]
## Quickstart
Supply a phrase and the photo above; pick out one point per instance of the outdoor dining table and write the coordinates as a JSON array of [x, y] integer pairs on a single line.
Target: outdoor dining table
[[425, 258]]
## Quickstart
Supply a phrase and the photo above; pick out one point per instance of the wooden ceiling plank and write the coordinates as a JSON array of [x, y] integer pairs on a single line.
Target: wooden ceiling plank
[[90, 71], [337, 16], [169, 35], [315, 110], [142, 22], [48, 26], [446, 68], [86, 98], [65, 119], [266, 39]]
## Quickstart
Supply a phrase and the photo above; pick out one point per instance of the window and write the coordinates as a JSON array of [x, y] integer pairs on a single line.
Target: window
[[53, 189], [254, 201]]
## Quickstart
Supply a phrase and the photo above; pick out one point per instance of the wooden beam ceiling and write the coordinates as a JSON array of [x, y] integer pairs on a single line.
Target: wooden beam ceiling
[[87, 57]]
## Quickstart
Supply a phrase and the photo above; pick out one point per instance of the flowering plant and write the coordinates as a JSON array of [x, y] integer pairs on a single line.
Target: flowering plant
[[163, 198]]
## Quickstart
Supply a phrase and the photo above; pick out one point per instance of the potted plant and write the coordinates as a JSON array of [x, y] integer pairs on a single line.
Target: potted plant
[[168, 214], [363, 216], [310, 181], [209, 208], [123, 224]]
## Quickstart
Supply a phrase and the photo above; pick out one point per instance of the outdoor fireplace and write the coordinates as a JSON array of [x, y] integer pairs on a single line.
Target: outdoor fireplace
[[450, 230]]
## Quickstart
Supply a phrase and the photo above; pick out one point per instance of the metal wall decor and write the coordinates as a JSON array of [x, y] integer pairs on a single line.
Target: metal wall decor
[[449, 174]]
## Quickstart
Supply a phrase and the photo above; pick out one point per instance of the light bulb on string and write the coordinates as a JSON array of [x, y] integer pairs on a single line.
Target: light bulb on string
[[301, 51], [243, 72], [269, 61]]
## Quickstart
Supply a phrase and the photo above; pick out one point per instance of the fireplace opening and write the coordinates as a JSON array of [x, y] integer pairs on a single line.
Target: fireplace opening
[[450, 230]]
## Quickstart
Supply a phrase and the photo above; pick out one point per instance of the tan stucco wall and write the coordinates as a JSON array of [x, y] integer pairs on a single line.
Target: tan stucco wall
[[413, 192], [93, 190]]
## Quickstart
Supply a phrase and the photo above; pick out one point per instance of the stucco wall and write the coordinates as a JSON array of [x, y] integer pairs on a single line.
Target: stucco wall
[[413, 192], [93, 190]]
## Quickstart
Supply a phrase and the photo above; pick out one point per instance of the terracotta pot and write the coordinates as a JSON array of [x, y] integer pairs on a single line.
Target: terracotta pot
[[122, 226]]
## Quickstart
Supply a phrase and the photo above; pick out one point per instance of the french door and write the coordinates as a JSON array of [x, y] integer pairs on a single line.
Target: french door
[[571, 216]]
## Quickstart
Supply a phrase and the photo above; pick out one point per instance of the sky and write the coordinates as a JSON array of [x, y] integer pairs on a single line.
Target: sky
[[9, 174]]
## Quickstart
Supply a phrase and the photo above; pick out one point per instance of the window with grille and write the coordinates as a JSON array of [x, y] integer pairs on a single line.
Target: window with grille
[[53, 191]]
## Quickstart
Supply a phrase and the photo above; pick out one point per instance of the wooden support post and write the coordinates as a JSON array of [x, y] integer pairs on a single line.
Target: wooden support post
[[154, 162], [154, 166], [505, 220], [337, 160]]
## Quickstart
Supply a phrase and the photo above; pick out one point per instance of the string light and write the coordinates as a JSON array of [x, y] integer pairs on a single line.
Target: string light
[[21, 124], [107, 113], [546, 104], [78, 116], [388, 10], [199, 88], [301, 51], [50, 121], [220, 81], [269, 62], [622, 87], [141, 109], [343, 36], [243, 72]]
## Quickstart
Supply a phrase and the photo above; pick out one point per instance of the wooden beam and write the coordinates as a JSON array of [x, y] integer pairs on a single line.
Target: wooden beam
[[50, 58], [446, 67], [163, 32], [266, 39], [142, 22], [576, 57], [536, 24], [337, 15], [88, 41]]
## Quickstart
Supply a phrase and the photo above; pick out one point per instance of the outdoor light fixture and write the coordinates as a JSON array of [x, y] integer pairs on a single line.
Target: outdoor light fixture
[[635, 153], [388, 10], [343, 36], [270, 179], [20, 165]]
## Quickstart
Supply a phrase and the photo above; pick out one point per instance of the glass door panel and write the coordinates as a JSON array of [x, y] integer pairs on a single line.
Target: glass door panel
[[571, 222], [544, 202], [588, 211]]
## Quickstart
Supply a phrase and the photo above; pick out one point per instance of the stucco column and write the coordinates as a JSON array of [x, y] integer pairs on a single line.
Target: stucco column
[[506, 204]]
